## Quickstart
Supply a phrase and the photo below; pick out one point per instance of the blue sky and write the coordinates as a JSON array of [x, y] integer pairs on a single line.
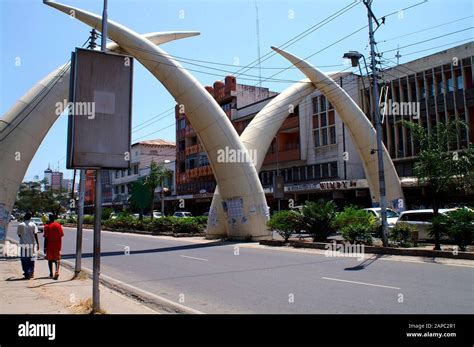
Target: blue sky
[[43, 38]]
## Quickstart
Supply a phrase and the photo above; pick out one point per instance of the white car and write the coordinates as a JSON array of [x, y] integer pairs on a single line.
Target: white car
[[421, 219], [392, 216], [182, 214], [39, 223]]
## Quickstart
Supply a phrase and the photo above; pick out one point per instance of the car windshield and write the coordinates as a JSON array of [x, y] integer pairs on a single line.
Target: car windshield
[[392, 214], [36, 220]]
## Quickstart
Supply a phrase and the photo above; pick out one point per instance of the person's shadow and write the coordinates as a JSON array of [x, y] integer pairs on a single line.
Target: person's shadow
[[13, 279]]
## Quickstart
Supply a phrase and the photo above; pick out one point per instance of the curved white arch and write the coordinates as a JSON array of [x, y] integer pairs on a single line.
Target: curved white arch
[[239, 182], [24, 126], [258, 136], [362, 132]]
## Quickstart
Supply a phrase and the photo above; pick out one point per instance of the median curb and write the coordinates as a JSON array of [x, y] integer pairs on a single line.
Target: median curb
[[375, 250]]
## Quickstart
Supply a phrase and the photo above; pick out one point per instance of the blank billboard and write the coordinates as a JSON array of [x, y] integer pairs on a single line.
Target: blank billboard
[[100, 111]]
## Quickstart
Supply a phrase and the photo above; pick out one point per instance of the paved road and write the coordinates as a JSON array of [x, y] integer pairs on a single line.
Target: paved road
[[211, 278]]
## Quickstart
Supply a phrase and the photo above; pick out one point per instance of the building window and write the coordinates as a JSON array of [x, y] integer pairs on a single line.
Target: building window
[[322, 103], [450, 84], [117, 174], [459, 82], [182, 124], [153, 152], [129, 172], [135, 169], [315, 105], [325, 170], [317, 171], [325, 131], [333, 167], [122, 189]]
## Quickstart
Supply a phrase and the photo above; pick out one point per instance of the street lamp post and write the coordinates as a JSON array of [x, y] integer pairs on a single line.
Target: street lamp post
[[355, 56], [163, 192]]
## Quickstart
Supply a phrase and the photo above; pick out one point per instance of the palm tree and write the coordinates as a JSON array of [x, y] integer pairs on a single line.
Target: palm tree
[[158, 173]]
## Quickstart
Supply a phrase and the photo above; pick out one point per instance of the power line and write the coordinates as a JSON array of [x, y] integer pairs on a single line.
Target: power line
[[431, 39], [426, 29]]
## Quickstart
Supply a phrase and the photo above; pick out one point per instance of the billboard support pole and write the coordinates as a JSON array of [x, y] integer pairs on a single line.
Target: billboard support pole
[[98, 198]]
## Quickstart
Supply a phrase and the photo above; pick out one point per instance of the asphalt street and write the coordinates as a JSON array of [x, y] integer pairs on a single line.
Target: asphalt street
[[217, 277]]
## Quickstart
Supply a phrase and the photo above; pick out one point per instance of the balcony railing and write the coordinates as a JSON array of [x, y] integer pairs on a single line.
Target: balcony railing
[[193, 149], [289, 155]]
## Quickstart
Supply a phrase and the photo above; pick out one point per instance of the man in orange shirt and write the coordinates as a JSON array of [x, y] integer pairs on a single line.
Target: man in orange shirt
[[53, 233]]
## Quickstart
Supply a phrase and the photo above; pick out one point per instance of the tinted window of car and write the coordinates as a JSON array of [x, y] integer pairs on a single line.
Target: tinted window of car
[[420, 217]]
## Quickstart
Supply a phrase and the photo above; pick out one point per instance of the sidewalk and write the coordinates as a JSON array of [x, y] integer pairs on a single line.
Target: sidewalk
[[66, 295]]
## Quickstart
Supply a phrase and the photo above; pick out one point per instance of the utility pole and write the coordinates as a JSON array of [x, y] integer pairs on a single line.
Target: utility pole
[[378, 125], [98, 198]]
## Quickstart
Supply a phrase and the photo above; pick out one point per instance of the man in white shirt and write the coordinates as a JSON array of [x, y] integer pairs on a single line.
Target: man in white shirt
[[28, 233]]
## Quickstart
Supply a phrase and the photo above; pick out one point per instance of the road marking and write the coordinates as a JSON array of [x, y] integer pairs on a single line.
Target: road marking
[[365, 284], [186, 256]]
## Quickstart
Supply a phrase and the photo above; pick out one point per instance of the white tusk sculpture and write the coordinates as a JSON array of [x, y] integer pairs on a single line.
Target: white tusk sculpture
[[240, 187], [362, 132], [257, 138], [24, 126]]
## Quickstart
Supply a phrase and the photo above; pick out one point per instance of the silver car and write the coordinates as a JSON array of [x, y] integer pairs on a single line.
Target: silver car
[[421, 219], [182, 214], [39, 223]]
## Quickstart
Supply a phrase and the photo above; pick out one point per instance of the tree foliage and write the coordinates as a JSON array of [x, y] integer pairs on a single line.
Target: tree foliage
[[440, 165], [156, 177]]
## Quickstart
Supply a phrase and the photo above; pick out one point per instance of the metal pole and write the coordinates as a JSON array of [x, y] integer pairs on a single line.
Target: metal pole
[[162, 199], [98, 199], [103, 41], [97, 227], [378, 127], [80, 219]]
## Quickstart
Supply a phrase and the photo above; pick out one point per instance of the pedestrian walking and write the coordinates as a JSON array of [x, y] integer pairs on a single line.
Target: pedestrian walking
[[27, 231], [53, 234]]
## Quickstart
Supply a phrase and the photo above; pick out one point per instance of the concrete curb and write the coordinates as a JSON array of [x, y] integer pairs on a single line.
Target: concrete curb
[[149, 299], [140, 232], [376, 250]]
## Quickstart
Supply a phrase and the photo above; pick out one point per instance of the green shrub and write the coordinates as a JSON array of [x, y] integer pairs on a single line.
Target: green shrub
[[318, 217], [404, 234], [460, 227], [88, 219], [186, 225], [356, 225], [285, 223], [106, 212]]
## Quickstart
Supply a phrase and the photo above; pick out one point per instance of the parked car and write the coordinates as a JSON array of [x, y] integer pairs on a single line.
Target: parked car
[[421, 219], [182, 214], [157, 214], [392, 216], [39, 223]]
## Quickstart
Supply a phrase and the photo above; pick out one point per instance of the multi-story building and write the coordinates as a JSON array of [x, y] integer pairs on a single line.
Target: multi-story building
[[313, 149], [142, 154], [314, 153], [194, 178], [54, 180], [434, 89]]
